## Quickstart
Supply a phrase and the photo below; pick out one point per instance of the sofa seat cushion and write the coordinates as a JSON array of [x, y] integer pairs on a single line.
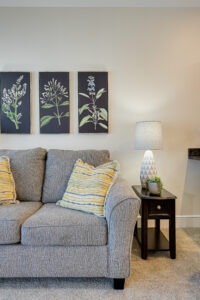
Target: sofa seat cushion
[[56, 226], [11, 218]]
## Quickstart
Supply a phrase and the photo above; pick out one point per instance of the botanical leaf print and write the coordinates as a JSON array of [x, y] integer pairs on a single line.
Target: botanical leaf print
[[96, 114], [12, 100], [54, 96]]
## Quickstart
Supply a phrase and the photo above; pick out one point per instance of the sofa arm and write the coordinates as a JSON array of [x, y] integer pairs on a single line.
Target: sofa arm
[[121, 211]]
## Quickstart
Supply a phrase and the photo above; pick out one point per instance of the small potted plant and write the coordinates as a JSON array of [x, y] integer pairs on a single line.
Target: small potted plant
[[154, 185]]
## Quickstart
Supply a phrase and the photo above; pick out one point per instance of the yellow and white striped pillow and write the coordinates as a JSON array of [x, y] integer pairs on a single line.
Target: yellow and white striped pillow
[[7, 183], [88, 186]]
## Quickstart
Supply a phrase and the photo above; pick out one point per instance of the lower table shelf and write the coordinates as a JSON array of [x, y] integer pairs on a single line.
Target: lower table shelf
[[156, 240]]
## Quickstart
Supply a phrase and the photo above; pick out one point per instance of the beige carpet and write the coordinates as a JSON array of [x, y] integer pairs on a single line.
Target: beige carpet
[[158, 277]]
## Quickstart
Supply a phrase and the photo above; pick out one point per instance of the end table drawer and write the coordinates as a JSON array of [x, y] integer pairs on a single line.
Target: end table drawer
[[158, 207]]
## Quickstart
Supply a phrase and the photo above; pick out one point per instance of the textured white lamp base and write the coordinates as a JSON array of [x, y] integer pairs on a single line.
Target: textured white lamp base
[[148, 168]]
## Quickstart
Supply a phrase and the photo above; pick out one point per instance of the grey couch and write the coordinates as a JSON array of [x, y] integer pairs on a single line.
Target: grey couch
[[40, 239]]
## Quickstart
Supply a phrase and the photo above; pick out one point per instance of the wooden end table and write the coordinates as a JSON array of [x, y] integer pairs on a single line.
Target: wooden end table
[[157, 208]]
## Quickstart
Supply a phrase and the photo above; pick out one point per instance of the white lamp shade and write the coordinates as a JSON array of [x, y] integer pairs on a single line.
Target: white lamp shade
[[148, 135]]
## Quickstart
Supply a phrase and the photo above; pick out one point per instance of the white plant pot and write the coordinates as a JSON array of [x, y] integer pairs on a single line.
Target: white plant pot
[[154, 188]]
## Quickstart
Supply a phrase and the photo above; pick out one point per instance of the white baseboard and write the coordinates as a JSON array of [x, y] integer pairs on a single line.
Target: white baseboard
[[187, 221], [182, 221]]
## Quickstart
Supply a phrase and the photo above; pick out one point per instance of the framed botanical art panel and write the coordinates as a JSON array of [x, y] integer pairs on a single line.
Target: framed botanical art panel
[[54, 102], [15, 102], [93, 102]]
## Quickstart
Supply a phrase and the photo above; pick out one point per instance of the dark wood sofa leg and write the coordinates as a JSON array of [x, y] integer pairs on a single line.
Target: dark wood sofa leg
[[119, 283]]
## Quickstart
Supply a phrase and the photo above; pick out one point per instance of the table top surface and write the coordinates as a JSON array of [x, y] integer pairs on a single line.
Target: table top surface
[[144, 194]]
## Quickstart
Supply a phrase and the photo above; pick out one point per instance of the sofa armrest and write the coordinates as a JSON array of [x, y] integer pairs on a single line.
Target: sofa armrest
[[121, 211]]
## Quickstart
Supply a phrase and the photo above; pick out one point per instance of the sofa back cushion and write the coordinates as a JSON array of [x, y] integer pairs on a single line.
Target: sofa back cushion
[[59, 167], [28, 168]]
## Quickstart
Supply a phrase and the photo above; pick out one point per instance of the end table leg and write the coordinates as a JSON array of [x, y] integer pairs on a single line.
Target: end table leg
[[135, 229], [157, 234], [172, 232], [144, 237]]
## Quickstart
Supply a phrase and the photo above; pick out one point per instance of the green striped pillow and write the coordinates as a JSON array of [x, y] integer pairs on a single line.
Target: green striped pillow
[[7, 183], [88, 186]]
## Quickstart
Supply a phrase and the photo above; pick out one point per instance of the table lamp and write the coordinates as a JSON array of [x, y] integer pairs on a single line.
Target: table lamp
[[148, 136]]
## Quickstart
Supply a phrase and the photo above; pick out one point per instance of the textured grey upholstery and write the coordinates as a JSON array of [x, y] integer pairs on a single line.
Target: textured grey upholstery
[[53, 261], [28, 168], [11, 218], [57, 226], [122, 208], [59, 166], [58, 242]]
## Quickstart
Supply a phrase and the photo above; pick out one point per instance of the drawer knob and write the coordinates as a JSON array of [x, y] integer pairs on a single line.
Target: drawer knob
[[159, 207]]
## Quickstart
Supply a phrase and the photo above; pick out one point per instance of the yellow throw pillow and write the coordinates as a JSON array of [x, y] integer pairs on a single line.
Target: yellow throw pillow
[[88, 187], [7, 183]]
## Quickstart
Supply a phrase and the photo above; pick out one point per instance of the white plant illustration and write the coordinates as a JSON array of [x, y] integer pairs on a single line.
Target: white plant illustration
[[54, 97], [96, 115], [11, 101]]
